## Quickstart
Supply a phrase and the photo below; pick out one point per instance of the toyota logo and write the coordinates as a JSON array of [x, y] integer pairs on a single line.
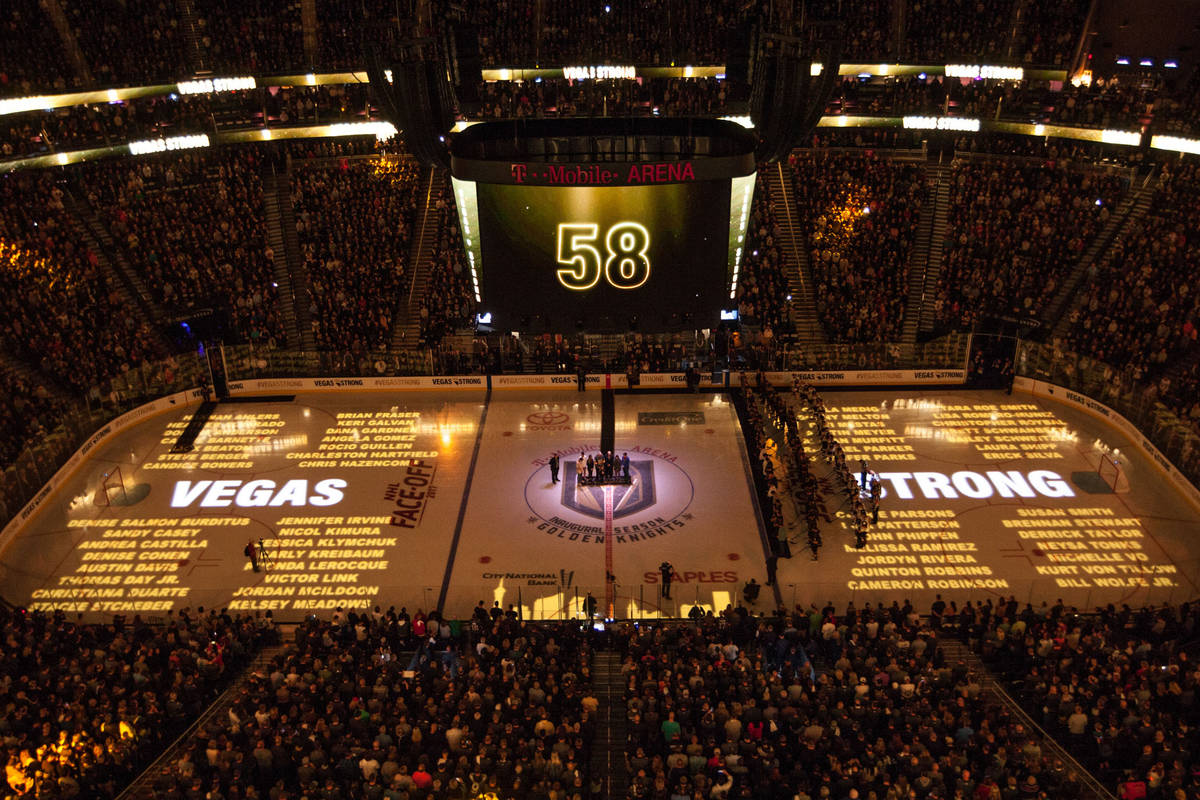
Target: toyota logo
[[547, 418]]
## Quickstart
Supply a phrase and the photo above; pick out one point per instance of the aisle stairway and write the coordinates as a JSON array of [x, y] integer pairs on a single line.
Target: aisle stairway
[[933, 265], [804, 306], [288, 266], [308, 23], [70, 44], [918, 259], [406, 325], [612, 726], [1016, 31], [112, 262], [190, 26]]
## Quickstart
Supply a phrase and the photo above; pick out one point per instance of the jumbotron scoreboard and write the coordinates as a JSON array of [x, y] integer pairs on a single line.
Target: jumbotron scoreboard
[[597, 223]]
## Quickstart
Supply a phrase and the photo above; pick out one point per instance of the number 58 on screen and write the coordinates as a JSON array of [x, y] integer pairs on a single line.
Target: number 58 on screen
[[624, 263]]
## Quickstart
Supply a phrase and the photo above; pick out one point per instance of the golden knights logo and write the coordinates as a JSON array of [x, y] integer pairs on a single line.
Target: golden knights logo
[[657, 501], [589, 500]]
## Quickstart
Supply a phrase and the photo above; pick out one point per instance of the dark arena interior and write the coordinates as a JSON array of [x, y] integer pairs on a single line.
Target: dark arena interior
[[600, 400]]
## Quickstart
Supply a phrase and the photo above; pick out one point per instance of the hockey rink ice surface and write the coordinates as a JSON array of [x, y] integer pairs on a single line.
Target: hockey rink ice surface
[[421, 499]]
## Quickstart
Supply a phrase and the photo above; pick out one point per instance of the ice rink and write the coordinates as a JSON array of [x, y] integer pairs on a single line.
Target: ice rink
[[421, 499]]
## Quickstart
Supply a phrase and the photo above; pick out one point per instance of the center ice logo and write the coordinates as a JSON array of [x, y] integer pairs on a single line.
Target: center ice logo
[[589, 500], [657, 501]]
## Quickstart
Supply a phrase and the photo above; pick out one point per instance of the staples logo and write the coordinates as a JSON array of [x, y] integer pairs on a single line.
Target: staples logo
[[222, 494]]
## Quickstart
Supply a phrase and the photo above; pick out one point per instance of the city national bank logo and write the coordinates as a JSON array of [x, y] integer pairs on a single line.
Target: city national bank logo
[[564, 580], [547, 421], [657, 502]]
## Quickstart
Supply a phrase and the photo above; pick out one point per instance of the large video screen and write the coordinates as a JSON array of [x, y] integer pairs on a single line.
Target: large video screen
[[556, 256]]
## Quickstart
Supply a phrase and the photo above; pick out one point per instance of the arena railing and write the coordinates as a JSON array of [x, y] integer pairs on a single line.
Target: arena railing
[[595, 352], [1116, 388]]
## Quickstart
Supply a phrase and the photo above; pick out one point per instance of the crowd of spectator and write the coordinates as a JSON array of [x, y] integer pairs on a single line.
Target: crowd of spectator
[[861, 211], [251, 37], [1117, 688], [86, 706], [33, 58], [801, 703], [192, 225], [1179, 112], [122, 43], [595, 98], [657, 32], [110, 124], [868, 28], [355, 222], [448, 301], [1140, 309], [1123, 103], [733, 708], [944, 31], [1051, 32], [1049, 150], [1015, 230], [346, 28], [491, 705], [61, 313], [126, 43], [762, 289], [34, 413]]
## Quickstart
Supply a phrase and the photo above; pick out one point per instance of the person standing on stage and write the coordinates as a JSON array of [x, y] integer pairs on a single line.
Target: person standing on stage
[[579, 468], [251, 553], [554, 468], [863, 465], [666, 570], [591, 467], [625, 465]]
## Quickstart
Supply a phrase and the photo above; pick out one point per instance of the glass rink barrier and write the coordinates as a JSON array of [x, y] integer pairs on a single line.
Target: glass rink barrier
[[1141, 403], [646, 601], [947, 352], [557, 601]]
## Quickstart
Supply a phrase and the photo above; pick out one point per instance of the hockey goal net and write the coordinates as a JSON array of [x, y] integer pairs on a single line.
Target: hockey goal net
[[112, 488], [1110, 472]]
